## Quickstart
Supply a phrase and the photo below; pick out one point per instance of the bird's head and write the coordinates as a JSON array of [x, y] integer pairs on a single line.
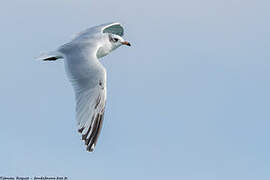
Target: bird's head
[[116, 41], [111, 42]]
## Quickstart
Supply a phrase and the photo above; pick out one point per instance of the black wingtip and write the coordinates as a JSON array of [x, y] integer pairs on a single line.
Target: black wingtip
[[81, 130], [89, 149]]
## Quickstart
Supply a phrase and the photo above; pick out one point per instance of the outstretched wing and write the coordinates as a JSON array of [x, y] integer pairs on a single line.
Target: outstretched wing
[[113, 28], [90, 105], [88, 78]]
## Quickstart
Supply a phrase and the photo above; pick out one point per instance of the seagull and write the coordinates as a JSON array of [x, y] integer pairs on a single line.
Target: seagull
[[87, 75]]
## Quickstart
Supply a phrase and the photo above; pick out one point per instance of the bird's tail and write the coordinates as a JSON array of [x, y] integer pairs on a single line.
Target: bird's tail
[[50, 56]]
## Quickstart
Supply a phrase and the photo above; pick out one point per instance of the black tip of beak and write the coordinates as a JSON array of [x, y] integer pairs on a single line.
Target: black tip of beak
[[128, 44]]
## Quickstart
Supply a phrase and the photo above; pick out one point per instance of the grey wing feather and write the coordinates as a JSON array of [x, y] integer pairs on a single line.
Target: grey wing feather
[[90, 105]]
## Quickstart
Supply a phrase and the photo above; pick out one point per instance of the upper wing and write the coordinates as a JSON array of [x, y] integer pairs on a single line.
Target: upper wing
[[113, 28], [88, 78]]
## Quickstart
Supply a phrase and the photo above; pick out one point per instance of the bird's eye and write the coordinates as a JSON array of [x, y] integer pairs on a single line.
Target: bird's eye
[[115, 39]]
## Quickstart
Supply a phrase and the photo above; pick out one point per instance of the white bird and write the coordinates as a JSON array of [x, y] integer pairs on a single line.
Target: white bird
[[87, 75]]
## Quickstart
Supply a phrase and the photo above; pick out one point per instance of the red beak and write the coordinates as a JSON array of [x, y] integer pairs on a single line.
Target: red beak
[[126, 43]]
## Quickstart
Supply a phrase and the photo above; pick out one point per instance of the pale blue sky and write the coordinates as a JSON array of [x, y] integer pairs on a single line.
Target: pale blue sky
[[189, 100]]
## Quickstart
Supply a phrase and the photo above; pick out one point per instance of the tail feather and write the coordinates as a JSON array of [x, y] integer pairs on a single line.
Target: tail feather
[[50, 56]]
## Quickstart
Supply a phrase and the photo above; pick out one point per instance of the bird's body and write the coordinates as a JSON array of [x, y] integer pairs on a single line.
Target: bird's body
[[88, 76]]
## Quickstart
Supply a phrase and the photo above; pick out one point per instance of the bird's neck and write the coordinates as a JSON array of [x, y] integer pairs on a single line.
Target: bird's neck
[[104, 49]]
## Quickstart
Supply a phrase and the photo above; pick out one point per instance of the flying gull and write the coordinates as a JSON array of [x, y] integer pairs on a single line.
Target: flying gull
[[87, 75]]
